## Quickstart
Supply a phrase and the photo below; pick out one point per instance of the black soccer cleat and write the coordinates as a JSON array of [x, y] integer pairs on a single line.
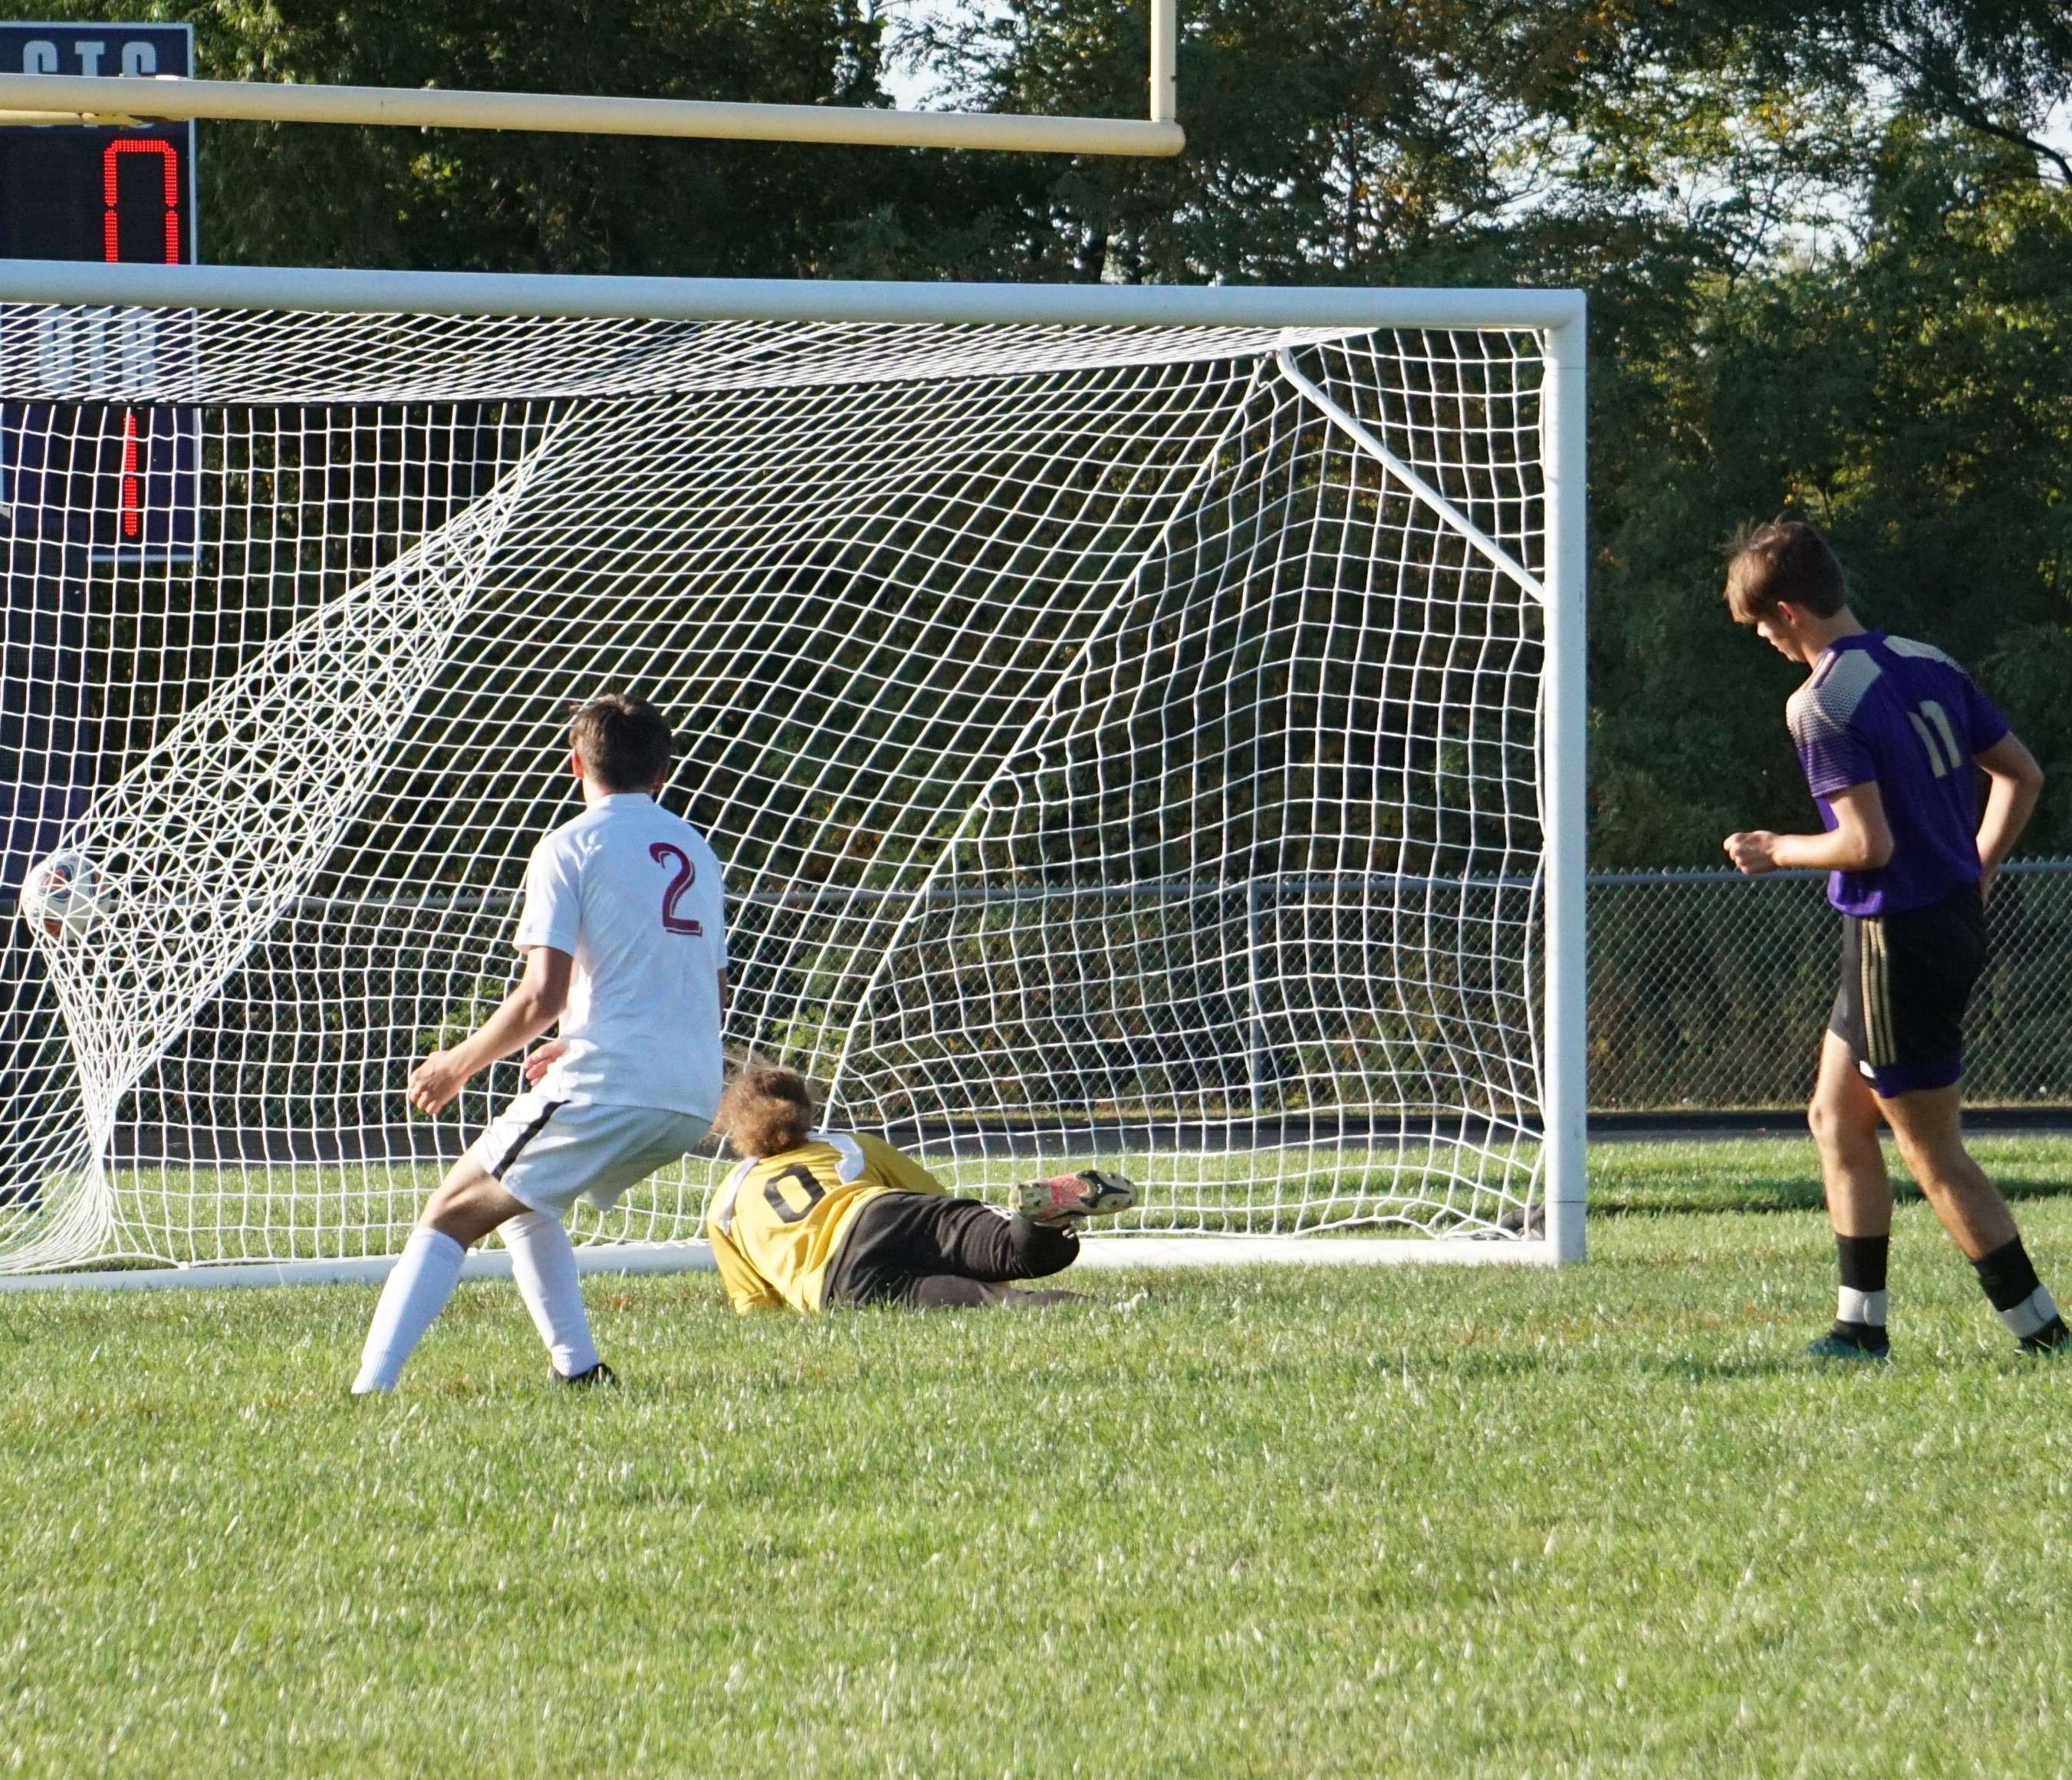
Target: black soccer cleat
[[598, 1374], [1851, 1343], [2053, 1340]]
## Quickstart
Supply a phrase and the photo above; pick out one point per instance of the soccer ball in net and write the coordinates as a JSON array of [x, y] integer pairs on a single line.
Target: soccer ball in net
[[60, 893]]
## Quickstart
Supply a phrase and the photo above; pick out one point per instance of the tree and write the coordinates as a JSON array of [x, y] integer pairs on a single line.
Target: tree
[[1820, 238], [318, 196], [1823, 240]]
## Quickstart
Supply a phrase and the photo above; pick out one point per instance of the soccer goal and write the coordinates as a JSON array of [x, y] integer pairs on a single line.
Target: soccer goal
[[1144, 726]]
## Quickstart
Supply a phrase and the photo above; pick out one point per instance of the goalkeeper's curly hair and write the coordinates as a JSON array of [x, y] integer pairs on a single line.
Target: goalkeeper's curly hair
[[766, 1111]]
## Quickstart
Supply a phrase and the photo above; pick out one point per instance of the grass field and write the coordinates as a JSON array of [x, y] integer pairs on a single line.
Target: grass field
[[197, 1216], [1273, 1522]]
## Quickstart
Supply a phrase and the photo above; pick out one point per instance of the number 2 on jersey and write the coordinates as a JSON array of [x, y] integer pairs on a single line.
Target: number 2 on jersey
[[687, 874]]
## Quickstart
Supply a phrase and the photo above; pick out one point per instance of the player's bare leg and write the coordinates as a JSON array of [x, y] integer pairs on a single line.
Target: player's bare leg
[[1929, 1127], [1843, 1118], [468, 1204]]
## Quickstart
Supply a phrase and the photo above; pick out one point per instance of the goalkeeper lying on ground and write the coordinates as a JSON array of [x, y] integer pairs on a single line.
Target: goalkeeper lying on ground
[[817, 1218]]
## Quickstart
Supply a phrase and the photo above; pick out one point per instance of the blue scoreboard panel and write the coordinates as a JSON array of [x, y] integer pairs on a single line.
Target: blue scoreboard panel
[[120, 479]]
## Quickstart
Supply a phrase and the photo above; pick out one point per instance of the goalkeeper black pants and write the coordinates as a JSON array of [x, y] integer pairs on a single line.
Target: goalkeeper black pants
[[930, 1253]]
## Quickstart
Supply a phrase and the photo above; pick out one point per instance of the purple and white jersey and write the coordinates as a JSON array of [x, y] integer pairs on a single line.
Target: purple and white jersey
[[1878, 707]]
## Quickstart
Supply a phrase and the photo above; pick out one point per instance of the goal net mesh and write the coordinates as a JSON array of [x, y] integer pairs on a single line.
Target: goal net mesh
[[1123, 743]]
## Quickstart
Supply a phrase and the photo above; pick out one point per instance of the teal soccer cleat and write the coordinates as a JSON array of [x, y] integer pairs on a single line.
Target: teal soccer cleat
[[1836, 1346]]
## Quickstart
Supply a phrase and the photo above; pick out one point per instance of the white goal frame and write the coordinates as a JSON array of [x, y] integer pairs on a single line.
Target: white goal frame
[[1557, 317]]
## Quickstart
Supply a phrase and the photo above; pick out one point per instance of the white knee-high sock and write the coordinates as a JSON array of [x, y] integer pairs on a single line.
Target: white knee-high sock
[[543, 1261], [417, 1290]]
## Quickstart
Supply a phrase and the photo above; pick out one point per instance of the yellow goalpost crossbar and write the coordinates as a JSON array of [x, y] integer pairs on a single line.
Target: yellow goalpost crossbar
[[51, 98]]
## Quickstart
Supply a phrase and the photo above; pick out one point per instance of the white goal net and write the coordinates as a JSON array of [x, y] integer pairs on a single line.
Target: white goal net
[[1126, 743]]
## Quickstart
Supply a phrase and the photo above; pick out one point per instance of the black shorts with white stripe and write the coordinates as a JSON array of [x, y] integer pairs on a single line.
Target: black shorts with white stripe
[[1906, 980]]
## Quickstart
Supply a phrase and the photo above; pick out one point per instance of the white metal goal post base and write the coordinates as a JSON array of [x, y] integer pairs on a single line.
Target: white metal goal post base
[[1100, 1254]]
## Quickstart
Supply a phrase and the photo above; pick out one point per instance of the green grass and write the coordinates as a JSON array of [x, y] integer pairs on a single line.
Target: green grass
[[196, 1216], [1778, 1175], [1277, 1521]]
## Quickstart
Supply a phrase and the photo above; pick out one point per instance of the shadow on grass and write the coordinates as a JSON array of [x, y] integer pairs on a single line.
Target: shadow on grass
[[1645, 1199]]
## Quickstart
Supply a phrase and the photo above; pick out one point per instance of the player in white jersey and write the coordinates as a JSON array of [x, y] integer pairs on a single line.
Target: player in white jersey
[[624, 935]]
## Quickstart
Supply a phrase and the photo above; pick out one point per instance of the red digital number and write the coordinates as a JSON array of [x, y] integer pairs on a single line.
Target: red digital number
[[169, 164], [133, 481], [687, 874], [169, 169]]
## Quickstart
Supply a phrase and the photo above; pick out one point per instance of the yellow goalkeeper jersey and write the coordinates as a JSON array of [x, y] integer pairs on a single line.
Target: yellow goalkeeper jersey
[[777, 1222]]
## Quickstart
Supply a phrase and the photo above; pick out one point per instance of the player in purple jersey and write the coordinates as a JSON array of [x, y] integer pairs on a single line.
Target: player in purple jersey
[[1892, 735]]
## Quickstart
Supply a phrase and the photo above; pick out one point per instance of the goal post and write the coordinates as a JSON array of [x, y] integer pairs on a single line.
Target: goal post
[[1144, 727], [59, 98]]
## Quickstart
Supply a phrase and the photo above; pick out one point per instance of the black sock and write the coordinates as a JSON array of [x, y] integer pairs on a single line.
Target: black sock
[[1860, 1310], [2007, 1276], [1863, 1261], [2009, 1279]]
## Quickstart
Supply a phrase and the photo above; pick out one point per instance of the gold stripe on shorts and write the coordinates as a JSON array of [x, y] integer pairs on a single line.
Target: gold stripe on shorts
[[1877, 993]]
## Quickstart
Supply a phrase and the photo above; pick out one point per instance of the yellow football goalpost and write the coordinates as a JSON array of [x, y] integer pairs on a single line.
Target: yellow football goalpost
[[56, 98]]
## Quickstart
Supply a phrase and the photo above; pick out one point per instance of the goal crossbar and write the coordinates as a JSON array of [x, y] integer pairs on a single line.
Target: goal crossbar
[[99, 98], [1558, 314], [125, 101]]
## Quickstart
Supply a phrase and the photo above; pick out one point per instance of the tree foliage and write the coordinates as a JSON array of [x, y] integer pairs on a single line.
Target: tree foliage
[[1825, 240], [1825, 244], [297, 195]]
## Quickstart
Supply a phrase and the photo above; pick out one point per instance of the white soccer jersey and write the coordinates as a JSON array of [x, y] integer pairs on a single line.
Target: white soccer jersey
[[634, 895]]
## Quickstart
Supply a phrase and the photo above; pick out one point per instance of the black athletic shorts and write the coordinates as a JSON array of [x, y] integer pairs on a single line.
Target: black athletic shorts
[[1906, 980]]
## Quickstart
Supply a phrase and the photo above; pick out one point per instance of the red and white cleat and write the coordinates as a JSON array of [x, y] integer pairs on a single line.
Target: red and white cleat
[[1065, 1199]]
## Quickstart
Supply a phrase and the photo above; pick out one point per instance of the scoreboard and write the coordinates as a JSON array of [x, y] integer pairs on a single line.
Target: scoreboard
[[122, 480]]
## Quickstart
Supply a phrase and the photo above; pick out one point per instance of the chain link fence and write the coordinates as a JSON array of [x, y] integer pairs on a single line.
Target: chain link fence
[[1708, 990], [1707, 993]]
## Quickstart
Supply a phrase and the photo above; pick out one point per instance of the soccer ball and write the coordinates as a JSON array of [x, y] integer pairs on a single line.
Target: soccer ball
[[61, 893]]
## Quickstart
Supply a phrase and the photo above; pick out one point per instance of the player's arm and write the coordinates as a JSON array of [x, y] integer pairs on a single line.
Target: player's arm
[[895, 1168], [2015, 781], [746, 1290], [527, 1011], [1860, 840]]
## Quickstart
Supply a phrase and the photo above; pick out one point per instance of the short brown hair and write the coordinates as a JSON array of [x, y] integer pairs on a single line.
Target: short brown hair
[[1786, 562], [766, 1111], [624, 742]]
